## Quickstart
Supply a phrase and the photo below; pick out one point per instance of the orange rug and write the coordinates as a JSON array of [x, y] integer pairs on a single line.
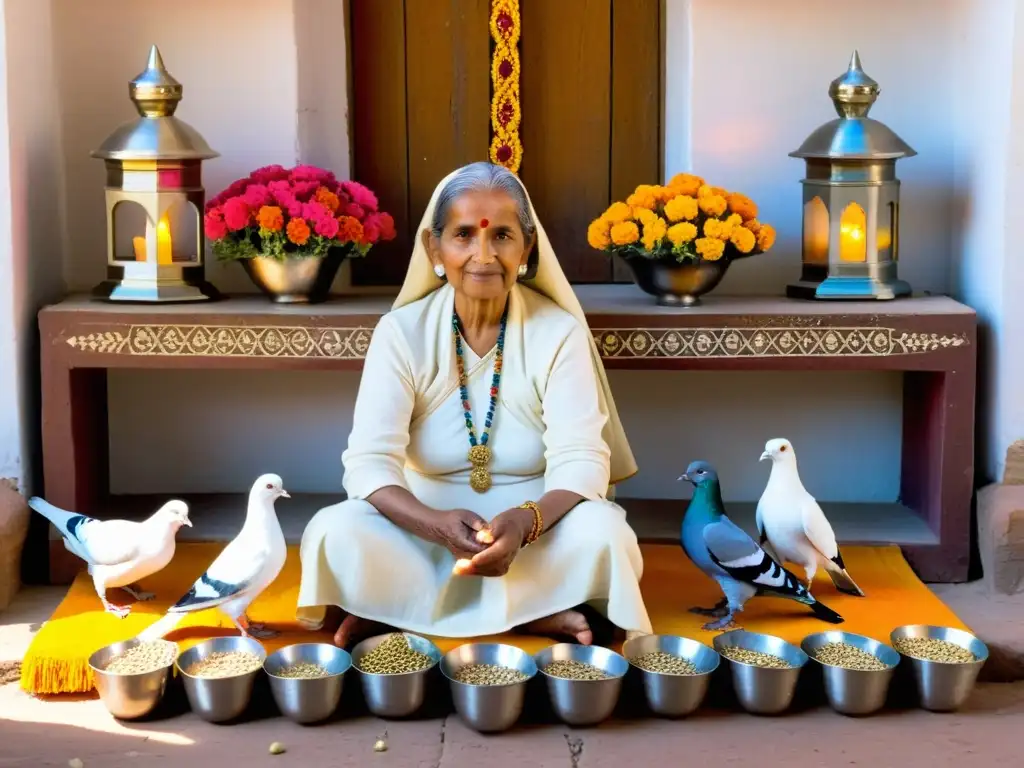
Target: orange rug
[[57, 660]]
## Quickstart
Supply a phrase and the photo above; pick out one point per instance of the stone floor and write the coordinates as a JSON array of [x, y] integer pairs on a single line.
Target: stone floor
[[51, 733]]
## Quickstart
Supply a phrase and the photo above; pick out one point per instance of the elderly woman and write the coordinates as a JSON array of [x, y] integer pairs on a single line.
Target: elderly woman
[[484, 443]]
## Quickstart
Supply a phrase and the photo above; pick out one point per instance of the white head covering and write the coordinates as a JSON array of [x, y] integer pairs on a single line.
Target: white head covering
[[550, 281]]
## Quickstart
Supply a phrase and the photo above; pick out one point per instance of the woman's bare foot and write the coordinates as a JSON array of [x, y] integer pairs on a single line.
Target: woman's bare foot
[[354, 629], [571, 623]]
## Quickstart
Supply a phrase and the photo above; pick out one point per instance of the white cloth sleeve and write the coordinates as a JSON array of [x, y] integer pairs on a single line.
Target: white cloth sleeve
[[577, 457], [375, 456]]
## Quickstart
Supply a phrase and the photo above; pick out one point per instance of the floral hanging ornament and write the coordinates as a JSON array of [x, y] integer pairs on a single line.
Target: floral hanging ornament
[[506, 148]]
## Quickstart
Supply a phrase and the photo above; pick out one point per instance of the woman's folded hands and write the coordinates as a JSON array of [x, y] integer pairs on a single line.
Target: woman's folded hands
[[499, 541]]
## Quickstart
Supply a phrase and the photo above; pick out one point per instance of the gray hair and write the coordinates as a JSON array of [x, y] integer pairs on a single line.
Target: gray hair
[[480, 176]]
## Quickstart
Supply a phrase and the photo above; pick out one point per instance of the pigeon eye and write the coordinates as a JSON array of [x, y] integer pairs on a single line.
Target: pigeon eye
[[782, 449], [270, 486]]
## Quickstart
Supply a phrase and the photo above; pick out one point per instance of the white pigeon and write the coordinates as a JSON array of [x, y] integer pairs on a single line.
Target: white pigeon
[[243, 569], [791, 522], [119, 552]]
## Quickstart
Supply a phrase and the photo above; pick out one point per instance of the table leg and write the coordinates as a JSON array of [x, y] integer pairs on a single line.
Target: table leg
[[938, 468], [75, 450]]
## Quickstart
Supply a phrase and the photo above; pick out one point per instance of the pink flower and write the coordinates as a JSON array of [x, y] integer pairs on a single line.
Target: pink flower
[[360, 195], [236, 214], [354, 210], [315, 212], [310, 173], [305, 189], [213, 224], [236, 188], [326, 227], [294, 209], [379, 226], [269, 173], [256, 196]]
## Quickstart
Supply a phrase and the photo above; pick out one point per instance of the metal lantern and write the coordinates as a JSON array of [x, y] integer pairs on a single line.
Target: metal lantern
[[155, 163], [851, 198]]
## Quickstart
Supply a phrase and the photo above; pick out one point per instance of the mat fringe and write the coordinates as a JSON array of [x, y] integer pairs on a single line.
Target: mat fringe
[[55, 675]]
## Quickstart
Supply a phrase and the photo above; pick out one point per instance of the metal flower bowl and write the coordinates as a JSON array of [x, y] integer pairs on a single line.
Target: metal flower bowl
[[763, 690], [488, 708], [400, 694], [943, 686], [128, 696], [218, 699], [583, 702], [307, 700], [853, 691], [674, 695]]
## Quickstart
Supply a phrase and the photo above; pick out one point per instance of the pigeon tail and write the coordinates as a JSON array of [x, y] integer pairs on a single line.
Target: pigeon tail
[[159, 628], [843, 581], [825, 613], [65, 521]]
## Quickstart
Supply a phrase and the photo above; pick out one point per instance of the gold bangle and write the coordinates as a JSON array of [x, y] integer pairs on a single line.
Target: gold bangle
[[538, 521]]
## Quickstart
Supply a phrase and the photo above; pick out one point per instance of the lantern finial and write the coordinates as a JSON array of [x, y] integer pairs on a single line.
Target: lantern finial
[[854, 92], [154, 92]]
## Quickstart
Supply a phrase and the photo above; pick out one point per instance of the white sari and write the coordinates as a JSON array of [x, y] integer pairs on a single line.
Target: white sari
[[555, 427]]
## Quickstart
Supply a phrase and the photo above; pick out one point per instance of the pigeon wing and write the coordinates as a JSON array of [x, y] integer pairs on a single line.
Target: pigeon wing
[[104, 542], [740, 556], [235, 568], [818, 529]]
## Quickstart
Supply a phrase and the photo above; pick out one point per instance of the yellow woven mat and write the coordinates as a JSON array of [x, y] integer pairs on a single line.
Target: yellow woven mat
[[57, 660]]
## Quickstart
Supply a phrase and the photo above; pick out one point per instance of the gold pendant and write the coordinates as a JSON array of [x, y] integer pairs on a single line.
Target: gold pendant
[[479, 479], [479, 456]]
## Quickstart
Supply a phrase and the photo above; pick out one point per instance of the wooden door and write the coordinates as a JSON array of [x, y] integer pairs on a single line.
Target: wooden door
[[590, 86]]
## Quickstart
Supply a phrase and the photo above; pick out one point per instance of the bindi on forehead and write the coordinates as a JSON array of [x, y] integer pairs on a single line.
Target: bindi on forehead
[[484, 223]]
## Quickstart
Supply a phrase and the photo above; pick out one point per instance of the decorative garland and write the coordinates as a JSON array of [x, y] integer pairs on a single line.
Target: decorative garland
[[506, 149]]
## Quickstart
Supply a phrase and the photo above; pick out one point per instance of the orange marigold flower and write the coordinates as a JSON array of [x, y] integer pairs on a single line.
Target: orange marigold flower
[[709, 248], [686, 183], [298, 231], [681, 207], [766, 237], [665, 193], [681, 233], [349, 229], [625, 233], [654, 231], [712, 205], [598, 234], [644, 215], [326, 198], [706, 191], [643, 197], [743, 239], [270, 218], [715, 228], [743, 205], [753, 225], [617, 212]]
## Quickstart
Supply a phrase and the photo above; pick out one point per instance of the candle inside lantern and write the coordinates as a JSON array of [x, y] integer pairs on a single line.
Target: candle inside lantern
[[164, 252], [852, 241]]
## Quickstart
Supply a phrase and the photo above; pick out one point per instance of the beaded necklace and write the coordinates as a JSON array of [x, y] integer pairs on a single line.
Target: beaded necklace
[[479, 452]]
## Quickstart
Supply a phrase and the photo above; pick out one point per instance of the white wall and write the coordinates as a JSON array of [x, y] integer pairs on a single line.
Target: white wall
[[747, 81], [31, 222]]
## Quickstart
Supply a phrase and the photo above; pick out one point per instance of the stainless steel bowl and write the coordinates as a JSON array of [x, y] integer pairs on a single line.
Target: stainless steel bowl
[[943, 686], [583, 702], [762, 690], [217, 699], [396, 695], [488, 708], [129, 696], [307, 700], [854, 691], [674, 695]]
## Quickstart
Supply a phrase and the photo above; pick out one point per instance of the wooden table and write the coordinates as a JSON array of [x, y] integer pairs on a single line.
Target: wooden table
[[930, 338]]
